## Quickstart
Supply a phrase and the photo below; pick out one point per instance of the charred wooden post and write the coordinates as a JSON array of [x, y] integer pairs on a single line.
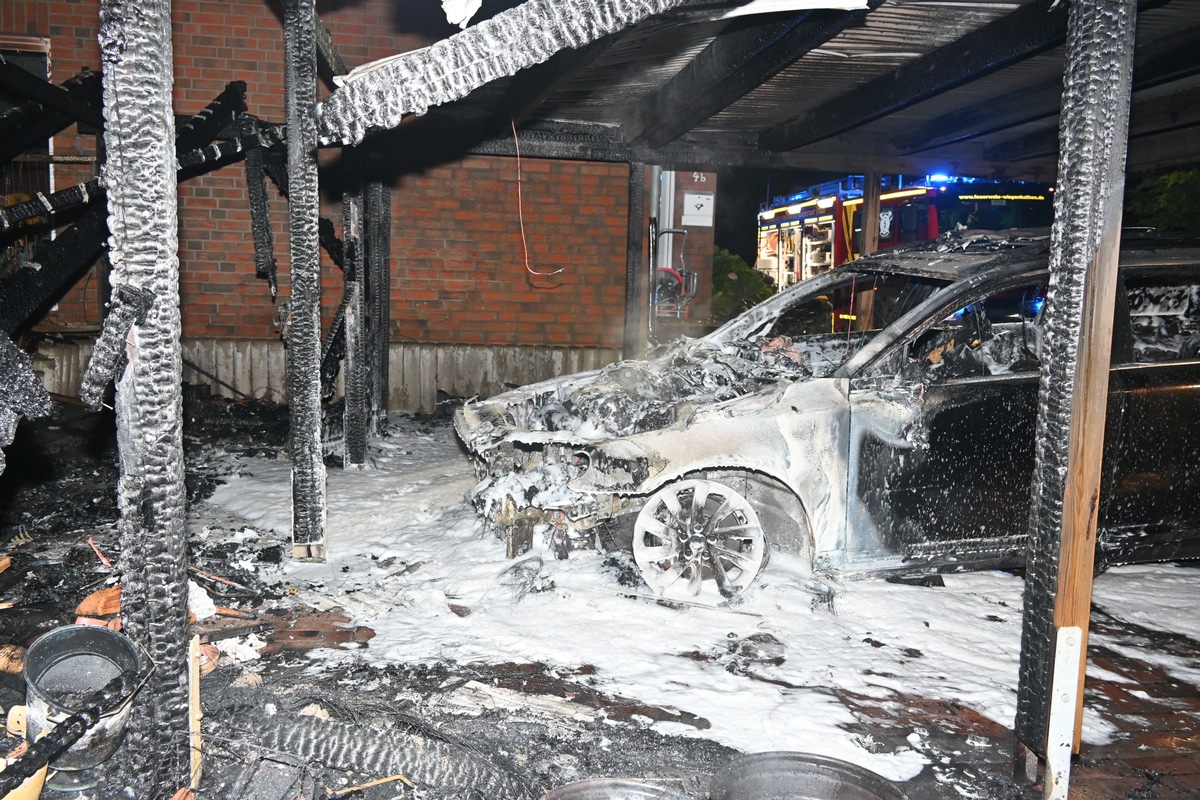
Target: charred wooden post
[[260, 216], [377, 223], [304, 308], [637, 290], [135, 45], [864, 308], [357, 359], [32, 123], [1075, 364]]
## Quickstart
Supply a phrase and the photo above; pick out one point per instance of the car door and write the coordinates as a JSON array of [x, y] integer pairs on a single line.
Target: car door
[[952, 487], [1150, 510]]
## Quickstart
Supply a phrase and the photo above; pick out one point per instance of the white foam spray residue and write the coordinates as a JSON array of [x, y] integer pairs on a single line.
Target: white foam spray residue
[[404, 547]]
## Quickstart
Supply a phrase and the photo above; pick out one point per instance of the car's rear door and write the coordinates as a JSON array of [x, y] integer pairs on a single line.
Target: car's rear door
[[1151, 509]]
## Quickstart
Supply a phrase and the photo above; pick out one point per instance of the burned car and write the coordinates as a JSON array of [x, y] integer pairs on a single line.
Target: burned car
[[878, 417]]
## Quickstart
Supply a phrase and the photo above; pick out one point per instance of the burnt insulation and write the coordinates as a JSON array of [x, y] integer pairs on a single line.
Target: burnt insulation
[[1087, 213], [443, 768], [381, 94], [22, 395], [140, 176]]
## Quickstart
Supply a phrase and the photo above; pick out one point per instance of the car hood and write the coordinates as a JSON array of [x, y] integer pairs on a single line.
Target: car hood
[[690, 378]]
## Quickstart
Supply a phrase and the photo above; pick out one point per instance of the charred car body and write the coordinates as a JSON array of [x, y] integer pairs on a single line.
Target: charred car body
[[904, 446]]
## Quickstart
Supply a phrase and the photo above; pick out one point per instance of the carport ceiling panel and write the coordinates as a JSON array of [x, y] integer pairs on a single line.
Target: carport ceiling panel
[[635, 64], [888, 37], [1027, 91]]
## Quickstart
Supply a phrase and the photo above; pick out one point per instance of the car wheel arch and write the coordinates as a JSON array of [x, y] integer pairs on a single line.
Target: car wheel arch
[[782, 512]]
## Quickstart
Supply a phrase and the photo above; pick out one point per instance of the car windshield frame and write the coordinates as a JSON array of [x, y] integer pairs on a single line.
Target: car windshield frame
[[935, 309]]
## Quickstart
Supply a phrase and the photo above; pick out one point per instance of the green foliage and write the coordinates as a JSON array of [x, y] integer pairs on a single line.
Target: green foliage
[[736, 285], [1168, 201]]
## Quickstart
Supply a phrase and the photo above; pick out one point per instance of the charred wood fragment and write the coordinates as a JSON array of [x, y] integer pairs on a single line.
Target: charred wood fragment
[[330, 243], [84, 193], [329, 61], [127, 308], [84, 107], [260, 216], [77, 195], [333, 350]]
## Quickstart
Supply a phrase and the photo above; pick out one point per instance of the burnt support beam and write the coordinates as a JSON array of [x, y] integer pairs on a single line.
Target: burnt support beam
[[740, 59], [637, 279], [140, 174], [221, 113], [377, 221], [1074, 381], [81, 106], [83, 193], [358, 362], [1031, 29], [32, 123], [55, 267], [304, 307]]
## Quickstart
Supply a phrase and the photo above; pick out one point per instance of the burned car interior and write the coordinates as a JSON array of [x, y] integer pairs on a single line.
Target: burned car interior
[[877, 418]]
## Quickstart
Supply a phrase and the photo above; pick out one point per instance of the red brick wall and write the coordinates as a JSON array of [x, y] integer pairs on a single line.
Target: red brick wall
[[459, 272]]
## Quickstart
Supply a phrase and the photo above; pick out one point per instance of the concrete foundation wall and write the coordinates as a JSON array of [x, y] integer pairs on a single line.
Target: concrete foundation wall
[[257, 368]]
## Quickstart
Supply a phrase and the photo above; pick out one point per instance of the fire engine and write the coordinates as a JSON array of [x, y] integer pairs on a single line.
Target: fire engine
[[804, 234]]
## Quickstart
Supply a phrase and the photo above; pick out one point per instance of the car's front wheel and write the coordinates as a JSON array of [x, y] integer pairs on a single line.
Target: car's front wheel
[[699, 540]]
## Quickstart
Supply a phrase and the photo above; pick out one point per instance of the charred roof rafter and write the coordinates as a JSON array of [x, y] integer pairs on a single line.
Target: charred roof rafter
[[743, 56], [1176, 112], [1031, 29], [529, 88], [1170, 59]]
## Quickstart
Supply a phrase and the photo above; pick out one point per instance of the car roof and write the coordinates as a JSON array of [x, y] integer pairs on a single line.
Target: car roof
[[958, 254]]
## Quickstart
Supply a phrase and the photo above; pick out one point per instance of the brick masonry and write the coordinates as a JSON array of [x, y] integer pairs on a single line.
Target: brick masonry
[[465, 270]]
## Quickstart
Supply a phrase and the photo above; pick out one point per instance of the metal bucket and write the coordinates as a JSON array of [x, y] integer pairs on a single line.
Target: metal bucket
[[64, 669], [798, 776], [612, 789]]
